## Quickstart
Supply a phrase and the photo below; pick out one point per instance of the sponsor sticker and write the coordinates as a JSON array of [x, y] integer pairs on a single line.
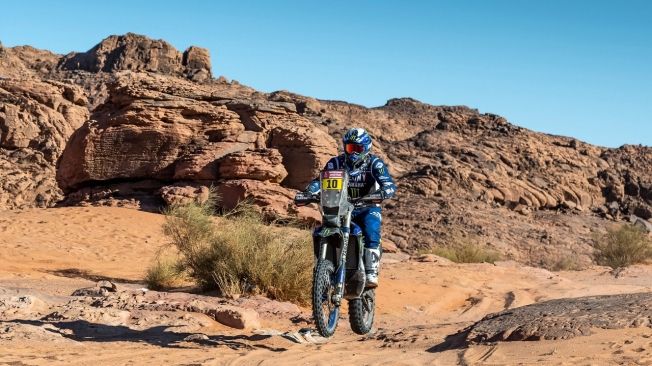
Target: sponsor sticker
[[333, 174], [378, 215]]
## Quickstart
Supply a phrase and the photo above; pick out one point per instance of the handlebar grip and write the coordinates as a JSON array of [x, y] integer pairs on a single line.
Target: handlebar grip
[[302, 198], [373, 197]]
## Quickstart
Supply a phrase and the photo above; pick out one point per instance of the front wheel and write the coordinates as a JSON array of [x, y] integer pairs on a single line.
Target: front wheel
[[324, 311], [362, 310]]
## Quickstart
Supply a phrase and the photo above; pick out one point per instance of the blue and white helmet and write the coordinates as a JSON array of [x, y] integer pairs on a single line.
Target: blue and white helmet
[[357, 145]]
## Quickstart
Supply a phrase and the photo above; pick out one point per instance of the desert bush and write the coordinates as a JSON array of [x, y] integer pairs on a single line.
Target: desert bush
[[163, 274], [622, 246], [566, 263], [559, 260], [466, 251], [239, 254]]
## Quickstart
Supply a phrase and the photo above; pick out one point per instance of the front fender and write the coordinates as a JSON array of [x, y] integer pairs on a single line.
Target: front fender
[[322, 232]]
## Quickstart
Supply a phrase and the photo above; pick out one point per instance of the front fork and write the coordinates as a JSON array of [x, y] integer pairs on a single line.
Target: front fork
[[340, 273]]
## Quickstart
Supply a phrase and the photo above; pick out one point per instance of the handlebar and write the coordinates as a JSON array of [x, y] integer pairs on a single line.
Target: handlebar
[[306, 198], [376, 197]]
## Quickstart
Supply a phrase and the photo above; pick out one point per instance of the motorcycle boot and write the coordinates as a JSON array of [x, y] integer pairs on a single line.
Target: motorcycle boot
[[371, 265]]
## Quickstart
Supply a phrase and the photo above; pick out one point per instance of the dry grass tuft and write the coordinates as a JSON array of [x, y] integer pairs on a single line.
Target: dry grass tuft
[[622, 247], [240, 254], [164, 274], [465, 250]]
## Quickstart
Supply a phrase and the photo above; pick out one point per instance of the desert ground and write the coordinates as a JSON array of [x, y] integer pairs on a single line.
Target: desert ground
[[47, 254]]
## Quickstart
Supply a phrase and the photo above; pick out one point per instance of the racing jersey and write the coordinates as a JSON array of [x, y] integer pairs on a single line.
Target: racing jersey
[[371, 176]]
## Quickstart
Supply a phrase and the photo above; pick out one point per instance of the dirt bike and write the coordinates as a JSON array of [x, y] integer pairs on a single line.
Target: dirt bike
[[338, 245]]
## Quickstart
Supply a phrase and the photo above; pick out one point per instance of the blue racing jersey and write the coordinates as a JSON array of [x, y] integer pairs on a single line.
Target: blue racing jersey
[[371, 176]]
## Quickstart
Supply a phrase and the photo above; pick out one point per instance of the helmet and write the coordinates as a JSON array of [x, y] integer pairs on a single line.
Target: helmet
[[357, 144]]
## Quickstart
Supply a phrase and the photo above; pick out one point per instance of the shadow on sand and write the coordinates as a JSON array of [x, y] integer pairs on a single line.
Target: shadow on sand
[[453, 341], [84, 331], [80, 273]]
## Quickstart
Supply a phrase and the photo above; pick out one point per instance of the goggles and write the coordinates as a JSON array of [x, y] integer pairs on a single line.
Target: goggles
[[353, 148]]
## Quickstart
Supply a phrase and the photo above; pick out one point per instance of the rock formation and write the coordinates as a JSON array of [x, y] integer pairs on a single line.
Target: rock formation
[[563, 318], [155, 128], [138, 53], [134, 122], [36, 120]]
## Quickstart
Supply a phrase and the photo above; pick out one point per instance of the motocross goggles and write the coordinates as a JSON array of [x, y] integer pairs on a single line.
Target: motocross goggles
[[353, 148]]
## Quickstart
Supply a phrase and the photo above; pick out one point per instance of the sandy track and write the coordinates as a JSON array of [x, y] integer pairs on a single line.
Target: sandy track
[[45, 252]]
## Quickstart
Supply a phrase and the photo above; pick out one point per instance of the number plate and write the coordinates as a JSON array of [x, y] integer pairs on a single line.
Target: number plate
[[332, 180], [334, 184]]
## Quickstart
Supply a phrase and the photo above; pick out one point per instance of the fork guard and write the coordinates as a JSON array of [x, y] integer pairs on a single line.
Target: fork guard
[[355, 271]]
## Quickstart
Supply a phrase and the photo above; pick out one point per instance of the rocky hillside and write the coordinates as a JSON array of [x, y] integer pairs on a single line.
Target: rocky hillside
[[135, 122]]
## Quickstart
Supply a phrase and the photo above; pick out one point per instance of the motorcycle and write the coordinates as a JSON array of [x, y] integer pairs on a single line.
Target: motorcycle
[[339, 272]]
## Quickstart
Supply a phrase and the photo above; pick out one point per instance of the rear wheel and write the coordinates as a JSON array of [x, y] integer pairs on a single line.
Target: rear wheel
[[324, 311], [362, 311]]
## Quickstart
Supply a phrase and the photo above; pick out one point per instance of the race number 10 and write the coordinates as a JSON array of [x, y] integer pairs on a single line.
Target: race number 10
[[332, 184]]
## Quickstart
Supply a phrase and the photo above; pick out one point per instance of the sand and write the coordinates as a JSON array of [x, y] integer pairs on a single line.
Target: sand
[[51, 252]]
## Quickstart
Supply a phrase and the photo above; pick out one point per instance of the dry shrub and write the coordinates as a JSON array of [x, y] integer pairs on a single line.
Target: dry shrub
[[566, 263], [560, 260], [239, 254], [163, 274], [622, 246], [465, 250]]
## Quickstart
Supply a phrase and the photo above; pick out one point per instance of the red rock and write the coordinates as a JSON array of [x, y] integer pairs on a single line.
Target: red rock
[[459, 171], [36, 120], [389, 246], [145, 138], [235, 317], [272, 198], [305, 150], [264, 165], [197, 62], [307, 214], [431, 258], [139, 53], [203, 163], [183, 194]]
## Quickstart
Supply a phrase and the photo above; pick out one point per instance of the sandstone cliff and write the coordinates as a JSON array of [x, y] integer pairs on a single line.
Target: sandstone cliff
[[135, 122]]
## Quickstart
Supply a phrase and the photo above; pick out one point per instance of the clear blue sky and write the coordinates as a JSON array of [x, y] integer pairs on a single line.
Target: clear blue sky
[[575, 68]]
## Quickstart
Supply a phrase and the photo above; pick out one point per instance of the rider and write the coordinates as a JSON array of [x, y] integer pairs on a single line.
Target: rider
[[367, 174]]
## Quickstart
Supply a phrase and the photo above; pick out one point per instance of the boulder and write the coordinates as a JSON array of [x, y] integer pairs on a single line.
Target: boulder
[[272, 198], [197, 63], [20, 306], [40, 115], [101, 288], [202, 164], [235, 317], [154, 129], [140, 133], [27, 180], [36, 120], [643, 211], [389, 246], [181, 194], [305, 151], [432, 258], [264, 165], [139, 53], [641, 223]]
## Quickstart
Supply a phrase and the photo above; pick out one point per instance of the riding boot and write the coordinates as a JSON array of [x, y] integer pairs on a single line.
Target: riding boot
[[371, 265]]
